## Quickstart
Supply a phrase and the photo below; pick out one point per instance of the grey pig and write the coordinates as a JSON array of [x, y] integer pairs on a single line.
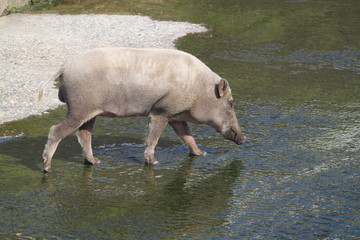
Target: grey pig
[[167, 86]]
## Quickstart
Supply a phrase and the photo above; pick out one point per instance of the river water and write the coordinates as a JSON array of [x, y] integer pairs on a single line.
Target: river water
[[294, 71]]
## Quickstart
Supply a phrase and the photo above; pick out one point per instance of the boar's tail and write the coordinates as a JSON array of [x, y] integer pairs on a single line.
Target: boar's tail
[[56, 76]]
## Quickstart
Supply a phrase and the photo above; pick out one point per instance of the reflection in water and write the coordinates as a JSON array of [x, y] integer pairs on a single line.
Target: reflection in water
[[155, 200]]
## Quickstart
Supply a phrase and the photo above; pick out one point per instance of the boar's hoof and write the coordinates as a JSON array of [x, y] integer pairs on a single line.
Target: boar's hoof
[[198, 153], [92, 161], [151, 161]]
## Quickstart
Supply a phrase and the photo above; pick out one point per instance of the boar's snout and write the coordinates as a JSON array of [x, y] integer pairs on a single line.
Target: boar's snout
[[235, 136]]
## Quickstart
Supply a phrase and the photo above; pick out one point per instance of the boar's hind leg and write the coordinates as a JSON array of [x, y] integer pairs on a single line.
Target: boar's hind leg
[[58, 132], [183, 131], [84, 138], [156, 126]]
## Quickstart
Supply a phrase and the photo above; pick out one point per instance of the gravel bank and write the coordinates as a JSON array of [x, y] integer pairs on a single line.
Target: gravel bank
[[33, 47]]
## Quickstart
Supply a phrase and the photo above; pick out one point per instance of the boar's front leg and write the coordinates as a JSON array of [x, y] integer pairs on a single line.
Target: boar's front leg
[[183, 131], [156, 126], [84, 138]]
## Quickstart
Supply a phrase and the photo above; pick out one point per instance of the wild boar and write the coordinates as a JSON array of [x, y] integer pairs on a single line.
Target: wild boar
[[167, 86]]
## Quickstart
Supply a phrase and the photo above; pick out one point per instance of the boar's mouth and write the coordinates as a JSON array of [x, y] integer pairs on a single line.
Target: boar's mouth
[[235, 136]]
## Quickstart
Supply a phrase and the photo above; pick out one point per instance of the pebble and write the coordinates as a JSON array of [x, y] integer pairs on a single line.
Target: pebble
[[33, 47]]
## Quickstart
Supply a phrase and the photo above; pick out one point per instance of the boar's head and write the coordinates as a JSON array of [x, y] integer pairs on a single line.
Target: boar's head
[[216, 108]]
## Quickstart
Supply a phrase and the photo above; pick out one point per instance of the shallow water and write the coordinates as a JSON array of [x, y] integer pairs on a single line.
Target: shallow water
[[294, 70]]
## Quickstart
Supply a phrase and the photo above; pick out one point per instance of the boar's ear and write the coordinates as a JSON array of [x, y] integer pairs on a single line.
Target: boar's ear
[[221, 88]]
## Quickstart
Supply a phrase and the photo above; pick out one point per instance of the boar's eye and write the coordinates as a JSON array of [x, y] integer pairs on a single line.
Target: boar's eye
[[231, 103]]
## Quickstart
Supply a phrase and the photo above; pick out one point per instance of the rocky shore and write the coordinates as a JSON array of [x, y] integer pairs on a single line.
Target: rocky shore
[[33, 47]]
